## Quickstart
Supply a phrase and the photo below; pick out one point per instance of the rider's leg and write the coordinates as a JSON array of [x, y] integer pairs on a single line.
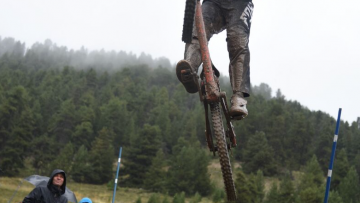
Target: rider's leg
[[239, 72], [213, 22], [239, 54]]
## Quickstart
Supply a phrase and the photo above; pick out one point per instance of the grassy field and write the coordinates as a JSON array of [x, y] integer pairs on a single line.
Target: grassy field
[[98, 193], [101, 193]]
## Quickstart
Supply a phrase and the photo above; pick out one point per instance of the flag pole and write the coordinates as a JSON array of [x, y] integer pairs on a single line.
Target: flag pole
[[117, 174], [332, 158]]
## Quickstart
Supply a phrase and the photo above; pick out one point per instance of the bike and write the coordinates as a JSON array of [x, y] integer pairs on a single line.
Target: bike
[[212, 96]]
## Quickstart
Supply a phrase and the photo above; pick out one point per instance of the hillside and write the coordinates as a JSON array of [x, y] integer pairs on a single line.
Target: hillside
[[71, 109]]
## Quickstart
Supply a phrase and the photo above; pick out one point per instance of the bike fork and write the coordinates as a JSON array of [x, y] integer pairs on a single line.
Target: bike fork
[[230, 133]]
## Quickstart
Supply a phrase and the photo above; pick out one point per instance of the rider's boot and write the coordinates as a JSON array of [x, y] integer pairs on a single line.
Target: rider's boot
[[238, 109], [186, 70], [187, 76]]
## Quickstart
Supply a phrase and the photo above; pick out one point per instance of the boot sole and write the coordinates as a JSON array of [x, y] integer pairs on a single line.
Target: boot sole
[[187, 76], [237, 115]]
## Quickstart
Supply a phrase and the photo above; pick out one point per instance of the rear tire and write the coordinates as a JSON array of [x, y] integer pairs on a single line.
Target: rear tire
[[222, 149], [188, 20]]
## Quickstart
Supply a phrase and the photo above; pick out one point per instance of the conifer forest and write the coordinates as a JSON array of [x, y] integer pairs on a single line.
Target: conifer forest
[[74, 109]]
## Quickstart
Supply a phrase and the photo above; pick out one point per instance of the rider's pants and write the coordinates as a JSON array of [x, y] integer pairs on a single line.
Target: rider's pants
[[235, 17]]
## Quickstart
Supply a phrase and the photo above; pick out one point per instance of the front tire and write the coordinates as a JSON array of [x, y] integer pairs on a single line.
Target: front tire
[[222, 149]]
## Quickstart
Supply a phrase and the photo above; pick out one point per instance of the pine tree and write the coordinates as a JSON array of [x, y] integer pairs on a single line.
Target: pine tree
[[16, 126], [219, 196], [255, 159], [323, 140], [64, 160], [159, 116], [357, 163], [296, 142], [63, 123], [349, 188], [91, 79], [340, 169], [102, 154], [286, 191], [39, 127], [165, 200], [83, 134], [311, 195], [50, 102], [140, 154], [276, 129], [188, 170], [81, 169], [154, 198], [313, 174], [245, 189], [354, 148], [86, 113], [43, 151], [273, 194], [334, 197], [310, 188], [196, 198], [263, 90], [179, 198], [259, 183], [116, 118], [154, 178]]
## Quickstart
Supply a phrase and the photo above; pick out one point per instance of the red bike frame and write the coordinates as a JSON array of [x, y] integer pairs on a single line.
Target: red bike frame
[[210, 95], [211, 87], [212, 90]]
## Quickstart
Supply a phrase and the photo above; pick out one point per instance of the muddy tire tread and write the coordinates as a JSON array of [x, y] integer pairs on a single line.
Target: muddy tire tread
[[188, 20], [223, 153]]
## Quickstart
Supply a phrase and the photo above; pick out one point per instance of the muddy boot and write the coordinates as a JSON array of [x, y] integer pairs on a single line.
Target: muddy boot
[[238, 109], [187, 76]]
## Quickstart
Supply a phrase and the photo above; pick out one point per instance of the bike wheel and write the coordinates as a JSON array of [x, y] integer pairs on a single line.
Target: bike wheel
[[188, 20], [222, 149]]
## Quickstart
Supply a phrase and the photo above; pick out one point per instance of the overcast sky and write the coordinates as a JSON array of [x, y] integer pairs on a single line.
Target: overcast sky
[[309, 49]]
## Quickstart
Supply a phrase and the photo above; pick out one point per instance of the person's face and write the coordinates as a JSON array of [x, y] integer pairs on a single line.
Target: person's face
[[58, 179]]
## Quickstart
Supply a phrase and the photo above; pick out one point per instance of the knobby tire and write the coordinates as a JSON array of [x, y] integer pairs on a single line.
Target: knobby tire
[[189, 17], [222, 149]]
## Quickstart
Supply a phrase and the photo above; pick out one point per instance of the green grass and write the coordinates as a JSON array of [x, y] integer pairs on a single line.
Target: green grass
[[102, 194], [8, 187], [97, 193]]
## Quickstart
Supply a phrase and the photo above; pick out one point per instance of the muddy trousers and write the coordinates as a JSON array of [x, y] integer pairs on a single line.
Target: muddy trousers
[[235, 17]]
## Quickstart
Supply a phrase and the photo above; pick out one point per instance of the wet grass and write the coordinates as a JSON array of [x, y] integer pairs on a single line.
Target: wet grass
[[15, 189], [98, 193]]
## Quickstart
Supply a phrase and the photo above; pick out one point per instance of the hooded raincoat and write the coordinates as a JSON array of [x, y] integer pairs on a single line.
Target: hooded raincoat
[[49, 193]]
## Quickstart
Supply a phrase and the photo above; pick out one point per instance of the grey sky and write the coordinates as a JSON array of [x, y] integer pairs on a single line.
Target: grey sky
[[309, 49]]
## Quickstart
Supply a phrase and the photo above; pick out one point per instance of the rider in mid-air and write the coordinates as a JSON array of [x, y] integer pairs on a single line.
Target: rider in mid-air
[[235, 17]]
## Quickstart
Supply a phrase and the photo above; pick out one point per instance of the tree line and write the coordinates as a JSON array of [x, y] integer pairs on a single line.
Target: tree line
[[69, 109]]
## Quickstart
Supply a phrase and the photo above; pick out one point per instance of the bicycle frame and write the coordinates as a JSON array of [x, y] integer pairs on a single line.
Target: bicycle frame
[[211, 96], [211, 88]]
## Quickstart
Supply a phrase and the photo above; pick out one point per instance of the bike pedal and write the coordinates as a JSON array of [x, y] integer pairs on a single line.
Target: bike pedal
[[186, 75]]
